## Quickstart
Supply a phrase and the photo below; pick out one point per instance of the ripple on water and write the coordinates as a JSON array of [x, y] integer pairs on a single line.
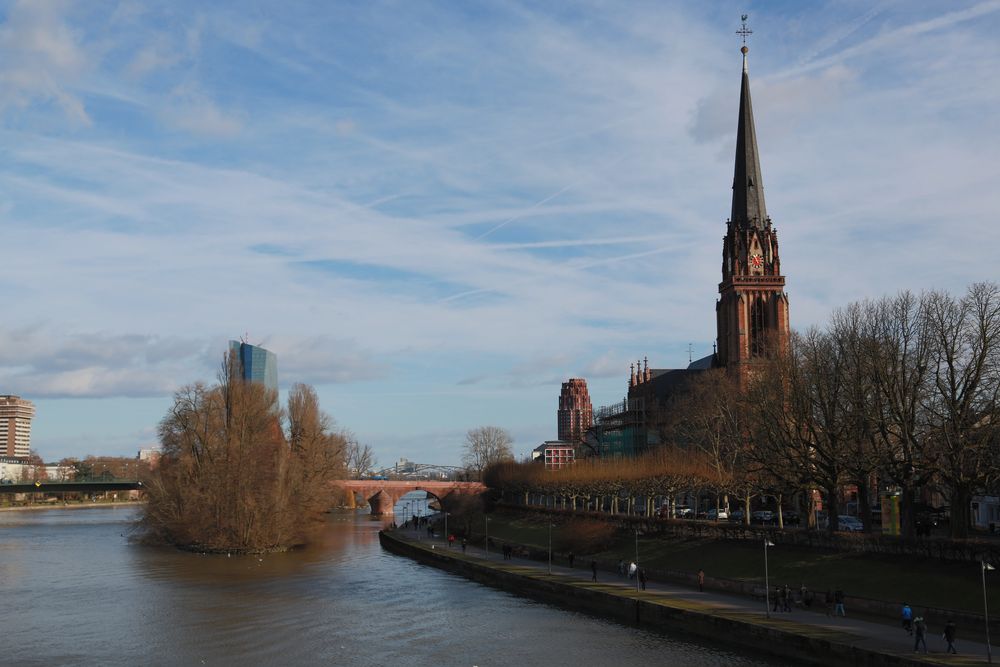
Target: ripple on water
[[96, 598]]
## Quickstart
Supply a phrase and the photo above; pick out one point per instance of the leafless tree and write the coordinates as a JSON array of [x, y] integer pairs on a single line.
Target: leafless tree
[[485, 446], [360, 459], [963, 406]]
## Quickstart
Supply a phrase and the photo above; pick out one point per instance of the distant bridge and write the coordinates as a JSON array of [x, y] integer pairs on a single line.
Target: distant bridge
[[72, 486], [383, 494]]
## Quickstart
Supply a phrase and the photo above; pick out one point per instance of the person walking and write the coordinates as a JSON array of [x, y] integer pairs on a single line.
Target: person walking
[[786, 598], [777, 598], [451, 540], [465, 543], [828, 599], [642, 577], [593, 570], [907, 618], [621, 568], [838, 599], [632, 568], [701, 581], [919, 633], [949, 635], [571, 560]]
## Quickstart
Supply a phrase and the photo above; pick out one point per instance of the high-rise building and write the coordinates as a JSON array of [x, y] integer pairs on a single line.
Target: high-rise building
[[575, 410], [256, 363], [15, 426]]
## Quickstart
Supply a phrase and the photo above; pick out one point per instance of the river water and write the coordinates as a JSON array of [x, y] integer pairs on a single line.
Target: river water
[[76, 591]]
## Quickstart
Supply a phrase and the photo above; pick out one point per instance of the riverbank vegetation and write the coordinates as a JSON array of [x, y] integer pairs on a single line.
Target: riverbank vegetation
[[238, 473]]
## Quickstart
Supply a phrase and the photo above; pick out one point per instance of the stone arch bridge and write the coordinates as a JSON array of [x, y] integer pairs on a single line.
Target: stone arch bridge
[[382, 494]]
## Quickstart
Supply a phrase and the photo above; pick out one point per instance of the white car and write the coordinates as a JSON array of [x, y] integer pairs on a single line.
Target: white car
[[723, 515]]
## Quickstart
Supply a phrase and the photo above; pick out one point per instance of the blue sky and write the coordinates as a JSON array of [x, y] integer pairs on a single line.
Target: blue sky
[[436, 212]]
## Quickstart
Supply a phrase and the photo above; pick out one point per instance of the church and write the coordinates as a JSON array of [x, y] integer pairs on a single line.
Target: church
[[751, 312]]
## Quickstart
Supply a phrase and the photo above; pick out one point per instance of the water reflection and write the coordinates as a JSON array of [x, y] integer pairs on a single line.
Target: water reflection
[[90, 596]]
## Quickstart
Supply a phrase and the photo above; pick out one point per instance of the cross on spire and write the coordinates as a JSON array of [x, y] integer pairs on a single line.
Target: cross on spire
[[744, 32]]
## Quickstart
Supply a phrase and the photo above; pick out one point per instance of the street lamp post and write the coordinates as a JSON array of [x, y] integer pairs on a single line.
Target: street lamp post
[[767, 583], [487, 533], [636, 560], [550, 547], [986, 613]]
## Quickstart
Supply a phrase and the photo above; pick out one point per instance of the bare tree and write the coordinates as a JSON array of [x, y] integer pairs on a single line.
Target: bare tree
[[963, 407], [230, 478], [485, 446], [360, 459]]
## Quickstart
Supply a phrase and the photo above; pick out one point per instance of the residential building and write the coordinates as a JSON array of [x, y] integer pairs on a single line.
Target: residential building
[[15, 426], [256, 363], [555, 454]]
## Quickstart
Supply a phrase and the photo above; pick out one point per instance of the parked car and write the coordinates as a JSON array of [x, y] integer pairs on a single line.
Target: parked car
[[762, 516], [680, 512], [736, 516], [850, 524], [790, 517], [717, 515]]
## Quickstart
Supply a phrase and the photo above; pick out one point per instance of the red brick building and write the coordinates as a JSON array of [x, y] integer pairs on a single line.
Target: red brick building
[[576, 413]]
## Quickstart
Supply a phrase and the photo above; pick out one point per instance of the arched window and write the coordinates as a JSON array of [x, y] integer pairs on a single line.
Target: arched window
[[758, 328]]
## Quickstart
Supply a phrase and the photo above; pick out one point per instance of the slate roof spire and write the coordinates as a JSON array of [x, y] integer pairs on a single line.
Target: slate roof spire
[[748, 186]]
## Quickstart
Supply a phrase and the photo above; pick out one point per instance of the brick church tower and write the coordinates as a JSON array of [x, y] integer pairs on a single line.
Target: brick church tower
[[752, 310]]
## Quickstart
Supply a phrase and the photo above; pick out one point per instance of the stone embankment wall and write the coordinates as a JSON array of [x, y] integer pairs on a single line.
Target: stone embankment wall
[[817, 648]]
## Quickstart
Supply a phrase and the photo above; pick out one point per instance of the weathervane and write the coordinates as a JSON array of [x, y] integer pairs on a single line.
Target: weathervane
[[744, 32]]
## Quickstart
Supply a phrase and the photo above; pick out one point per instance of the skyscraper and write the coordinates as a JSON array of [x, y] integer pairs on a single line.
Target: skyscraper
[[256, 363], [15, 426]]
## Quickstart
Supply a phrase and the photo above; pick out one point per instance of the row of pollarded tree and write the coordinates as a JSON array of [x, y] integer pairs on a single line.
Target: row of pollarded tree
[[237, 472], [899, 393]]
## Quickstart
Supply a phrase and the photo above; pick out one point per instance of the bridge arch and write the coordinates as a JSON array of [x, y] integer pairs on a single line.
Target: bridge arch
[[382, 495]]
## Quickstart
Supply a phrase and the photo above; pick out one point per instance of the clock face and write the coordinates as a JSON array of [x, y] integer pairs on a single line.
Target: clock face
[[756, 261]]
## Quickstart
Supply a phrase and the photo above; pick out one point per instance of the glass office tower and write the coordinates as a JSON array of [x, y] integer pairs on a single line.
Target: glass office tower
[[258, 364]]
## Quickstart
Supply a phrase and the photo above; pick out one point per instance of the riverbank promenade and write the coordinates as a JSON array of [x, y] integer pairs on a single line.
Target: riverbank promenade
[[879, 637]]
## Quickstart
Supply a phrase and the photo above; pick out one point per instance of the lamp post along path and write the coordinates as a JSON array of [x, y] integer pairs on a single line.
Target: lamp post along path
[[767, 582], [986, 613]]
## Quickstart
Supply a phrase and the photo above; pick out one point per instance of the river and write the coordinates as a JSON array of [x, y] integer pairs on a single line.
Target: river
[[77, 591]]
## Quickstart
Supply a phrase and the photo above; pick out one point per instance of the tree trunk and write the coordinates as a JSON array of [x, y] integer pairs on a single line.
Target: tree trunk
[[865, 505], [961, 512], [832, 510]]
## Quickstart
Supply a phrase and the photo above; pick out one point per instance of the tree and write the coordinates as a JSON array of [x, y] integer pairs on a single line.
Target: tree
[[485, 446], [360, 459], [230, 479]]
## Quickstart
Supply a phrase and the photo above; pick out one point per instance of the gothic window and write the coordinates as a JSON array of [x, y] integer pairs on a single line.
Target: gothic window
[[758, 328]]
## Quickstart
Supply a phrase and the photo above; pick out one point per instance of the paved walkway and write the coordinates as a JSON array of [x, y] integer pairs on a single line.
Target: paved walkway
[[857, 632]]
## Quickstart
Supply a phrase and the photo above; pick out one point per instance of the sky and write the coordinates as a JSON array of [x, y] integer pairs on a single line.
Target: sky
[[436, 212]]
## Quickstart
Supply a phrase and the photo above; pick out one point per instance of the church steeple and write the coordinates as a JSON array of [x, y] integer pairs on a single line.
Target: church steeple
[[752, 310], [748, 186]]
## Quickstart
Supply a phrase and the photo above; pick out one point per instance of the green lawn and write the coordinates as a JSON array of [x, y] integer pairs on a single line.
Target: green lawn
[[920, 582]]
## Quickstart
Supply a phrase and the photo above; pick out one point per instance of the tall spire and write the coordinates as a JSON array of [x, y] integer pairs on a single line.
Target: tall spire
[[748, 186]]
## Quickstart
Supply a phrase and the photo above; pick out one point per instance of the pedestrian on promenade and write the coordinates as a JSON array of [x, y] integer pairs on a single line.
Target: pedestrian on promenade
[[701, 581], [919, 633], [642, 577], [451, 540], [949, 635], [621, 568], [828, 599], [805, 596], [786, 598], [838, 598], [632, 569], [571, 560], [907, 616], [777, 598], [593, 570], [464, 544]]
